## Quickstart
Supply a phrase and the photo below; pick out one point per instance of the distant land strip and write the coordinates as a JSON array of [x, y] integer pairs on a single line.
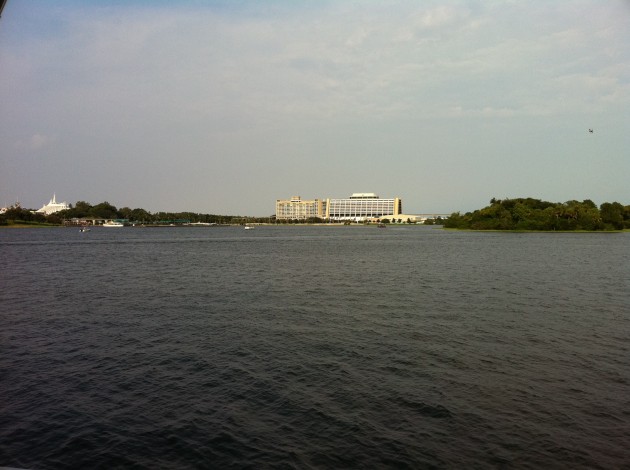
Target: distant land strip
[[519, 214]]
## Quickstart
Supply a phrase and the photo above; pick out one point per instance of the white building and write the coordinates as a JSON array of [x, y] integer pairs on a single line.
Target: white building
[[359, 207], [52, 207], [362, 206]]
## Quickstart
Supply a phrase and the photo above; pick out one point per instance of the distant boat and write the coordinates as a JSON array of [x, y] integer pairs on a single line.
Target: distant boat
[[84, 228], [113, 223], [249, 227]]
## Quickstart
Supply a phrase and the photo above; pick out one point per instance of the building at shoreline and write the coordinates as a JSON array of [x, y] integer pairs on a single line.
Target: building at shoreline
[[52, 207], [362, 206], [359, 207], [298, 209]]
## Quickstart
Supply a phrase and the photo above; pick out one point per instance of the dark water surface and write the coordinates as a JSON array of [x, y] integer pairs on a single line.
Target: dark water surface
[[313, 347]]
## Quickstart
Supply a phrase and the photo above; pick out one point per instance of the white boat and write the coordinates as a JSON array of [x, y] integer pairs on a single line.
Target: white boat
[[113, 223], [84, 228], [249, 227]]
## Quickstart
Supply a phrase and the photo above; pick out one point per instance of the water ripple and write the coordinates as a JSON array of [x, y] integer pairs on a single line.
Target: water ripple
[[314, 348]]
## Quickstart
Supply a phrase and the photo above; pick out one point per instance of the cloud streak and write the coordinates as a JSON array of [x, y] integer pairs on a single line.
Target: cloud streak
[[35, 142]]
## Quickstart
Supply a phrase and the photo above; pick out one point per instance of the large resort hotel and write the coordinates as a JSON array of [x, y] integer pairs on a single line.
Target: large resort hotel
[[359, 207]]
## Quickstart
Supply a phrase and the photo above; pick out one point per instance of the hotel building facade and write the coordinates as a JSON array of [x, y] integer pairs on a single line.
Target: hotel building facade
[[298, 209], [358, 207]]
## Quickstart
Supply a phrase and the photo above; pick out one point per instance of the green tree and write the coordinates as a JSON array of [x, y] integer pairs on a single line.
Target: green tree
[[79, 210], [125, 213], [82, 208], [54, 219], [455, 220], [104, 210], [18, 214], [140, 215], [612, 214]]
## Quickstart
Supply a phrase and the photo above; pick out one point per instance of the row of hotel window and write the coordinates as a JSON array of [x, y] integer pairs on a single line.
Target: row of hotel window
[[337, 210]]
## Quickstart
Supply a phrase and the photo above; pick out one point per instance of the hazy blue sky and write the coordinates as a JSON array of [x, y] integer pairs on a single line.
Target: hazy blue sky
[[224, 107]]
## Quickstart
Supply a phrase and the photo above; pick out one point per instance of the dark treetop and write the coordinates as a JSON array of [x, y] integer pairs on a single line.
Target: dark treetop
[[534, 214]]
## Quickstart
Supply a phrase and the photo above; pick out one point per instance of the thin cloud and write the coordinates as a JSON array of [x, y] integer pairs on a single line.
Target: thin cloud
[[35, 142]]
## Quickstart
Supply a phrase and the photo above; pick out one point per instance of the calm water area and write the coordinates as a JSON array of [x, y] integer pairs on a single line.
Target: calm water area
[[313, 347]]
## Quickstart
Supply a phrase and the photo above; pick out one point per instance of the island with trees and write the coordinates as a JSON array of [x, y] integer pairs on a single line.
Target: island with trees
[[533, 214]]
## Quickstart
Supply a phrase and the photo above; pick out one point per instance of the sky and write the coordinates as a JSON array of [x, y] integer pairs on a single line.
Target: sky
[[222, 107]]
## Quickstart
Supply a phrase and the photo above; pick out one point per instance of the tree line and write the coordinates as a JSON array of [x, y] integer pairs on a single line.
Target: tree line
[[105, 210], [534, 214]]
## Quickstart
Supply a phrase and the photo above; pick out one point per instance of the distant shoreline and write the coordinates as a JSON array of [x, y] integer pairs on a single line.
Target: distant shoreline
[[35, 226], [21, 225]]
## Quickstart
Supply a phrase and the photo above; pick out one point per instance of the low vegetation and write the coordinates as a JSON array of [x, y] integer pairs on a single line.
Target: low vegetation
[[83, 210], [534, 214], [18, 217]]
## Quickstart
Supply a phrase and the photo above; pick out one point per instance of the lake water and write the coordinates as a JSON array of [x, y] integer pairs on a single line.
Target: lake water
[[313, 347]]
